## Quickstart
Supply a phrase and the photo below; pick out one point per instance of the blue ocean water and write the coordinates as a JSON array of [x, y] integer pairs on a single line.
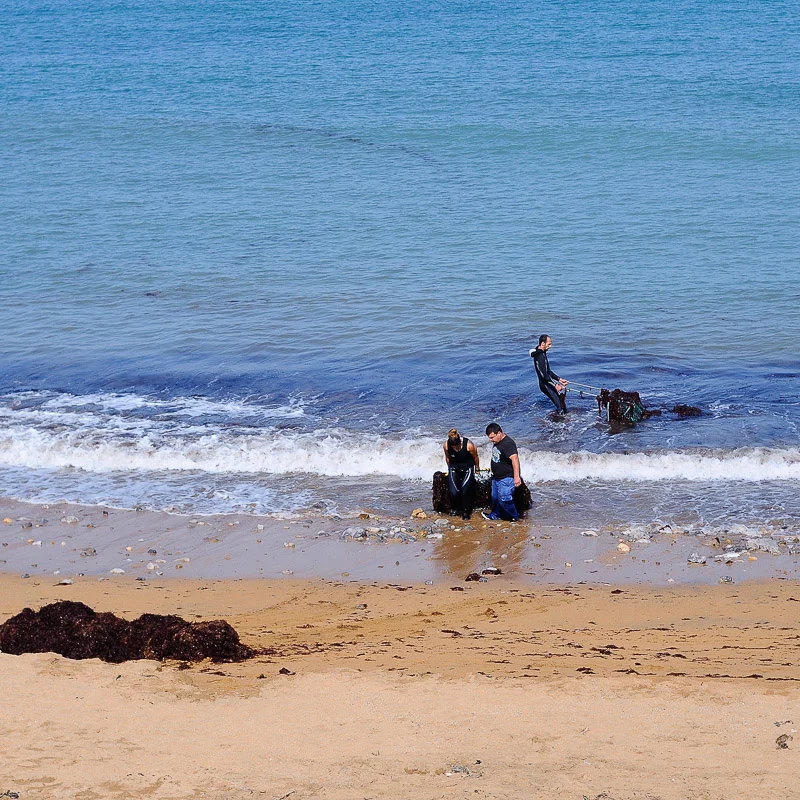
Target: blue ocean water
[[262, 256]]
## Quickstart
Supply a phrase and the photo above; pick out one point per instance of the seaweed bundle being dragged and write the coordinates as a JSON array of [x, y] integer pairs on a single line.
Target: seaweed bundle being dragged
[[622, 408], [625, 409]]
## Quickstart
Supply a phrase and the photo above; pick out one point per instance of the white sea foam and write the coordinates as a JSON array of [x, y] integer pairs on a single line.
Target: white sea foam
[[338, 452], [744, 465], [331, 453], [71, 406], [180, 492], [127, 433]]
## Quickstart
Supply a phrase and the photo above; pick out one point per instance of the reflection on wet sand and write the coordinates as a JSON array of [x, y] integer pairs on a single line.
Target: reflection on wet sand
[[478, 544]]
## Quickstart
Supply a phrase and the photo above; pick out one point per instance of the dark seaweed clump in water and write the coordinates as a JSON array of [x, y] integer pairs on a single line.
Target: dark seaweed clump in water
[[76, 631], [624, 408], [686, 411], [483, 494], [627, 408]]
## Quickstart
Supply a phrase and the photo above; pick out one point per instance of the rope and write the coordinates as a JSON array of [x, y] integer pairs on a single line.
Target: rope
[[586, 386], [579, 392]]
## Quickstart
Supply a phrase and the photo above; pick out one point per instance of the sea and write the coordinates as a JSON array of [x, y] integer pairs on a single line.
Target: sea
[[259, 257]]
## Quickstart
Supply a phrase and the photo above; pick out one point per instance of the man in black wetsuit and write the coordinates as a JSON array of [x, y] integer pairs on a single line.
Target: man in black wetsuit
[[462, 460], [551, 385]]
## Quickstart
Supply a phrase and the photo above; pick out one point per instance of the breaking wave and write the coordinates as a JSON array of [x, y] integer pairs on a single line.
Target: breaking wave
[[117, 433], [261, 455], [337, 452], [745, 465]]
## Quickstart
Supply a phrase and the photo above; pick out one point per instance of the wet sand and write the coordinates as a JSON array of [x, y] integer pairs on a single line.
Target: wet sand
[[38, 540], [601, 680]]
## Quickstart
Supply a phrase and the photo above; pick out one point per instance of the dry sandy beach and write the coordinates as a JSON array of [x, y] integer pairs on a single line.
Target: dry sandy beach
[[395, 688]]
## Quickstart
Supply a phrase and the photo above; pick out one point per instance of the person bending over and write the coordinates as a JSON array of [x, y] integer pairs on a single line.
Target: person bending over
[[462, 460], [550, 384], [505, 474]]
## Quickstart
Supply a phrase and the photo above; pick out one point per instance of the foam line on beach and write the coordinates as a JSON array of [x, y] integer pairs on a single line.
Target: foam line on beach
[[744, 465], [339, 452], [71, 409]]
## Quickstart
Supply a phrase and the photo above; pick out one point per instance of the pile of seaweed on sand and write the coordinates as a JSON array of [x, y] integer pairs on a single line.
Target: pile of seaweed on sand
[[76, 631], [483, 494], [627, 408]]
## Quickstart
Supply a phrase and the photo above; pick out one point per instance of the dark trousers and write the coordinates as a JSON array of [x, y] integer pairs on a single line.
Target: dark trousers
[[461, 484], [559, 400]]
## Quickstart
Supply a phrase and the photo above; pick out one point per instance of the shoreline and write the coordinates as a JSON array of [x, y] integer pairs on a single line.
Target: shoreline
[[67, 541], [380, 672]]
